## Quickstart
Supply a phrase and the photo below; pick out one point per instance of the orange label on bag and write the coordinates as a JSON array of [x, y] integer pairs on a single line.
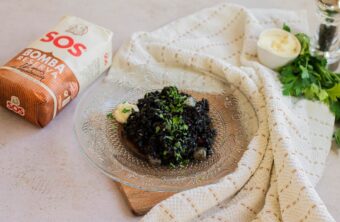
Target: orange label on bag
[[43, 73], [50, 71]]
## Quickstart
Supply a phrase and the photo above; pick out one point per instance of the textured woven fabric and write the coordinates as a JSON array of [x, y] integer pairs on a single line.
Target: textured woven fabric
[[275, 178]]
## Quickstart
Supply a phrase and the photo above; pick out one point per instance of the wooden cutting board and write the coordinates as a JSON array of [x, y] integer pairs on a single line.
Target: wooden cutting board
[[141, 201]]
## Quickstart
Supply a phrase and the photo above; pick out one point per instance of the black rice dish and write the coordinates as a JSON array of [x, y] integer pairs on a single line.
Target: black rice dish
[[171, 128]]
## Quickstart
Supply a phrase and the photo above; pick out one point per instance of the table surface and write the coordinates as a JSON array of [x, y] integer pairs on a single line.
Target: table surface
[[43, 174]]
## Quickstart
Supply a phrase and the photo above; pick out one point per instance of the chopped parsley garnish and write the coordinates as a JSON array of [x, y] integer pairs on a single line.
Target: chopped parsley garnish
[[126, 110], [110, 116], [286, 27]]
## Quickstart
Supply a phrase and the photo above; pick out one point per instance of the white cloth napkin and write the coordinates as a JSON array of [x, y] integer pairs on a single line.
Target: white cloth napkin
[[275, 178]]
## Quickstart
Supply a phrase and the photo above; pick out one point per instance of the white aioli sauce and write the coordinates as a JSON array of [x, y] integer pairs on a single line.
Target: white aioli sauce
[[279, 42], [123, 111]]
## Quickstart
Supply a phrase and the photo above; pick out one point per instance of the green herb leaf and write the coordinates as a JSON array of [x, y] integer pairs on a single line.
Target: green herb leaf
[[334, 92], [335, 108], [110, 116], [305, 42], [336, 136], [157, 129], [312, 91], [304, 73], [173, 166], [323, 95], [125, 110], [286, 27]]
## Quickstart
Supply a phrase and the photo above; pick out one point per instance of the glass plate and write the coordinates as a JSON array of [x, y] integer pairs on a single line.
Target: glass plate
[[101, 141]]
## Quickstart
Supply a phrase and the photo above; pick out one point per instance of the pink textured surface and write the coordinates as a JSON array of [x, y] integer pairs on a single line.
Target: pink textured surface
[[43, 175]]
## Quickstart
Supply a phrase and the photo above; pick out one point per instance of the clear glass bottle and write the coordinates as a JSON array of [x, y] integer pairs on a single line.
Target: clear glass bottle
[[327, 39]]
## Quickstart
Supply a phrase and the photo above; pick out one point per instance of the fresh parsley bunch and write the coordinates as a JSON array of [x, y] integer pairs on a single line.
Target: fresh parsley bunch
[[307, 76]]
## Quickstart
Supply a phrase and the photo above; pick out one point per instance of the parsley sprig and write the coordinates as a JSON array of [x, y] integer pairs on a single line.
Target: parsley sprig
[[308, 76]]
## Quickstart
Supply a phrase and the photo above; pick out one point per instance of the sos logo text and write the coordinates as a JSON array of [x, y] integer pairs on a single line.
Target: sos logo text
[[65, 42], [14, 105]]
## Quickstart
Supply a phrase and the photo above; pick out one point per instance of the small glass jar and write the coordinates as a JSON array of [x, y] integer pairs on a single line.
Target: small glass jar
[[327, 40]]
